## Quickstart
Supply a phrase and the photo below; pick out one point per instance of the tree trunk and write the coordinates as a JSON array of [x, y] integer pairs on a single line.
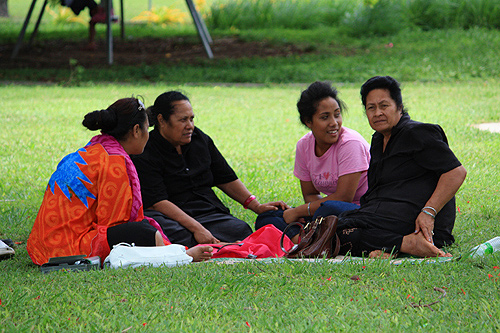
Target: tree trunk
[[4, 10]]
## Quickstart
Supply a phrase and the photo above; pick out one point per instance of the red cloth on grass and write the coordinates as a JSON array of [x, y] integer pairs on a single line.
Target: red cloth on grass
[[263, 243]]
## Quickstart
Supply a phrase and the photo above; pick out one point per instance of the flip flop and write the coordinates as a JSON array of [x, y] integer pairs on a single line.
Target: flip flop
[[5, 251]]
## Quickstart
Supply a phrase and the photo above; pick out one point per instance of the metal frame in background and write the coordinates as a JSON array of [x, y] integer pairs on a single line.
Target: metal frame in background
[[201, 28]]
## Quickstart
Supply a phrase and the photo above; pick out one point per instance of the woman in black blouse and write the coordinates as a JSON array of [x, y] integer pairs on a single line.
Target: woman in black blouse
[[413, 176], [177, 171]]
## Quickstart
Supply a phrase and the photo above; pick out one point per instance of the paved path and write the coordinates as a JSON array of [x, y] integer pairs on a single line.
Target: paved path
[[492, 127]]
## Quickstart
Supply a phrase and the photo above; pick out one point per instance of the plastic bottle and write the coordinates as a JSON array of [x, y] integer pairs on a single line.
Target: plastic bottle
[[488, 247]]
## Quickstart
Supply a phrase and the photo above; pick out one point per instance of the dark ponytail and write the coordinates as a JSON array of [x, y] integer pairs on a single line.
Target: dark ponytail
[[118, 119], [102, 119]]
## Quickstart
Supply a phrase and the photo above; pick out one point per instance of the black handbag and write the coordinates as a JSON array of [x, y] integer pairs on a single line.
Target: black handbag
[[318, 238]]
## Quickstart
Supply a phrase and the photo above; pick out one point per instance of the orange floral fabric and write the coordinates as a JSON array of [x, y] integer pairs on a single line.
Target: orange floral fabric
[[78, 224]]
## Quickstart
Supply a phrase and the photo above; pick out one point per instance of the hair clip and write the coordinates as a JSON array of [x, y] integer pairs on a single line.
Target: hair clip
[[141, 105]]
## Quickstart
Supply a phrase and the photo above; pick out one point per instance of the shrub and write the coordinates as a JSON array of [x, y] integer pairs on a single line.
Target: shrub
[[355, 17], [161, 15], [478, 13], [430, 14], [62, 15], [297, 14], [383, 17]]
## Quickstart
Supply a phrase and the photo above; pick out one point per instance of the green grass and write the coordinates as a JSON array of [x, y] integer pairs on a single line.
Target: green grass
[[450, 77], [256, 128], [254, 297]]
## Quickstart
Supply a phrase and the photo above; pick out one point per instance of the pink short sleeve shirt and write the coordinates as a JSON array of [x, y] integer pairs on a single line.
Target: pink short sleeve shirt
[[350, 154]]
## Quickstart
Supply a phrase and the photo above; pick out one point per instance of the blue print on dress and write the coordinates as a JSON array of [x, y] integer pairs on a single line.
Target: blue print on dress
[[68, 176]]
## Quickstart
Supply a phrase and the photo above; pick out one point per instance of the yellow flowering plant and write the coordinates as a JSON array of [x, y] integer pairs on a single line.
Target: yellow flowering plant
[[61, 15], [161, 15]]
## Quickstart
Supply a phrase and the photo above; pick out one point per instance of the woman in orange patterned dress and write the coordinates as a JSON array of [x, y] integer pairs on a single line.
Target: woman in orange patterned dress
[[93, 199]]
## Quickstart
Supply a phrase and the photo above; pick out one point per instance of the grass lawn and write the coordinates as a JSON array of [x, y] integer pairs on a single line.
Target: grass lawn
[[256, 128], [449, 77]]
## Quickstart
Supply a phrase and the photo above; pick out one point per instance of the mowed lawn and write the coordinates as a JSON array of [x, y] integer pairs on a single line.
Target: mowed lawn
[[256, 128], [449, 77]]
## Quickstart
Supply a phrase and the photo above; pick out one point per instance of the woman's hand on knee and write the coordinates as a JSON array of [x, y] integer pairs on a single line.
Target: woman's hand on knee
[[203, 236], [290, 215], [270, 206]]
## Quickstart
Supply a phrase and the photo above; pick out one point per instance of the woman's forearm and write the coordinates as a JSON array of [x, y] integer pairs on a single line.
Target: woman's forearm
[[447, 186], [173, 212], [236, 190]]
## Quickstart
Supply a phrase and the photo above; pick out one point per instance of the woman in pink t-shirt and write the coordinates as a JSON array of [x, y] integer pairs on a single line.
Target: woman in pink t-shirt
[[331, 159]]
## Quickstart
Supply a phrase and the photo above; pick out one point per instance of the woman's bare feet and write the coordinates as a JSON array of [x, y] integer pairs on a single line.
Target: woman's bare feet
[[417, 245], [200, 253]]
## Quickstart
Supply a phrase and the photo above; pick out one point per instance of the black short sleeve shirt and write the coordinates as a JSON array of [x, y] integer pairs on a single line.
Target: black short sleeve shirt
[[184, 179], [403, 177]]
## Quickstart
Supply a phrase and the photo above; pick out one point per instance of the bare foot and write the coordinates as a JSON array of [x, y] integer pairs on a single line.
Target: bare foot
[[417, 245], [379, 254], [200, 253]]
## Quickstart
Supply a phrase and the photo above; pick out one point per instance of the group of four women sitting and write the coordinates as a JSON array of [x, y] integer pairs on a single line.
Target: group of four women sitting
[[396, 195]]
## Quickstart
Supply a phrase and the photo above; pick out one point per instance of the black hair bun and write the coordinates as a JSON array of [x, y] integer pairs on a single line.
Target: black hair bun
[[100, 120]]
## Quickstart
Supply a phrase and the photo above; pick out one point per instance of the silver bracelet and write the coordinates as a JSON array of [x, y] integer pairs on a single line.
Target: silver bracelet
[[431, 208], [308, 209], [430, 214]]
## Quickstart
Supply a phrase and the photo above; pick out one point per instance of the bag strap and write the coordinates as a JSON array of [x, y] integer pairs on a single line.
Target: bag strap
[[305, 234], [223, 246], [308, 235], [294, 248]]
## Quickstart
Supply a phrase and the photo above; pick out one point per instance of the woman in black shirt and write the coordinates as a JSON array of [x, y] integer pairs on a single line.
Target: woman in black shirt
[[177, 171], [413, 176]]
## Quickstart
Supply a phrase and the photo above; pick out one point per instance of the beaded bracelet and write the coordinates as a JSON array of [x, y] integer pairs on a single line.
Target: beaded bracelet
[[248, 200]]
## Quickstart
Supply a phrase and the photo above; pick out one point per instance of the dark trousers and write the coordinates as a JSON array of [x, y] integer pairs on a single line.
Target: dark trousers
[[361, 233], [140, 233], [275, 217], [224, 227]]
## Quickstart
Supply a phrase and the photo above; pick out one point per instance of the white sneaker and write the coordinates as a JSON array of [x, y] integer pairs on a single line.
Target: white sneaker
[[5, 251]]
